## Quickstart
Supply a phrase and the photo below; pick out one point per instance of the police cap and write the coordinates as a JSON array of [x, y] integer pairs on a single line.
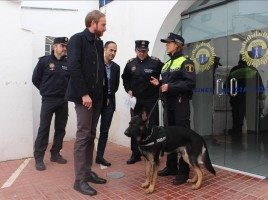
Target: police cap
[[172, 37], [61, 40], [142, 45]]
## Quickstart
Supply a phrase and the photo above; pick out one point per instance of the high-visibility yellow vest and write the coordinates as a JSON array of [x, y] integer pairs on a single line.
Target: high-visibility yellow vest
[[175, 64]]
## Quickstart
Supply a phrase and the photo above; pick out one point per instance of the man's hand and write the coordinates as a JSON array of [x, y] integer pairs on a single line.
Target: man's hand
[[87, 101], [154, 81], [164, 88], [130, 93]]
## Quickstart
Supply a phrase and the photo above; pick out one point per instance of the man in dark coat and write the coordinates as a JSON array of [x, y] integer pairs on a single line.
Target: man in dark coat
[[107, 111], [88, 90]]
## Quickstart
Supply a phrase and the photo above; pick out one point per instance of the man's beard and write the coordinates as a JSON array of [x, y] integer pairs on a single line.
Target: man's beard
[[98, 33]]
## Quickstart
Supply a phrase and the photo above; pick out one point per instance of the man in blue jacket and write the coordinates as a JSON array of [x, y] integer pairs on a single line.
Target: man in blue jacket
[[51, 78]]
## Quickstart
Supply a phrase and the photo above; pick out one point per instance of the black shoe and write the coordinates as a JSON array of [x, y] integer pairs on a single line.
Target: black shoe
[[102, 161], [133, 159], [58, 159], [39, 165], [167, 172], [84, 188], [94, 178], [180, 179]]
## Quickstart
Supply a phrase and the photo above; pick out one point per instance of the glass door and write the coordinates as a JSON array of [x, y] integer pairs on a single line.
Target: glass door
[[205, 34], [228, 45], [246, 149]]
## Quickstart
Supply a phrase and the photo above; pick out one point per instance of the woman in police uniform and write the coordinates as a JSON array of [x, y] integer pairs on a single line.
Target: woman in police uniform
[[178, 81]]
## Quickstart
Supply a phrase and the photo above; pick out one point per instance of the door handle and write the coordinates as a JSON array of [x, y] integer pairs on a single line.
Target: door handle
[[233, 81], [219, 87]]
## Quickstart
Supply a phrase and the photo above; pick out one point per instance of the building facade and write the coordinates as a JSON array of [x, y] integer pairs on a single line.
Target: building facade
[[219, 35]]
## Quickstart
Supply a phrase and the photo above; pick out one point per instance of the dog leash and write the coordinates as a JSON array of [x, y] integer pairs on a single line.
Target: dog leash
[[150, 113]]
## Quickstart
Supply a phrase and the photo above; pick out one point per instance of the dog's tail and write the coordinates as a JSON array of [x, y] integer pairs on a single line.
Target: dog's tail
[[207, 161]]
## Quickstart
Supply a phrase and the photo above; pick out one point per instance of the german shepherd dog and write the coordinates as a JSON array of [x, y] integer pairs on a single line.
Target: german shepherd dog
[[188, 143]]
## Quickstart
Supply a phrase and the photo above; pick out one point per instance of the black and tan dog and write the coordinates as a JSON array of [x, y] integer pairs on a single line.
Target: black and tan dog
[[191, 145]]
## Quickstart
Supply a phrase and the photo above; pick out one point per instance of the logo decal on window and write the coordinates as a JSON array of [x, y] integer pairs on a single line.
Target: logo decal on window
[[203, 56], [254, 49]]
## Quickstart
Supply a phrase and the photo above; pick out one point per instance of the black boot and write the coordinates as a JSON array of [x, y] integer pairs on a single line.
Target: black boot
[[180, 179], [94, 178], [133, 159], [83, 187], [56, 157], [39, 165], [102, 161], [167, 172]]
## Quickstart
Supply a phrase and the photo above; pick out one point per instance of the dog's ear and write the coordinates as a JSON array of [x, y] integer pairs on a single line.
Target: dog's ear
[[144, 115]]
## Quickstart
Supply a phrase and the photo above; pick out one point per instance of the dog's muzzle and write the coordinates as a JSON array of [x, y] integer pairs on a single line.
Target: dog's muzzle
[[127, 133]]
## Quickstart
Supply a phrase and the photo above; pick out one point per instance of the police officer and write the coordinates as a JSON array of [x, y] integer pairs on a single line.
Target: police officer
[[178, 81], [51, 78], [136, 80]]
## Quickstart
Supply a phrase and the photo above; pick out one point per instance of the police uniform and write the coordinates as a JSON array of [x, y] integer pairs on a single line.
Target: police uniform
[[51, 78], [136, 77], [179, 74]]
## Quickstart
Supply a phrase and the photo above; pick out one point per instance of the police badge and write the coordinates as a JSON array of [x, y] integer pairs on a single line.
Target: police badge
[[52, 66], [133, 68]]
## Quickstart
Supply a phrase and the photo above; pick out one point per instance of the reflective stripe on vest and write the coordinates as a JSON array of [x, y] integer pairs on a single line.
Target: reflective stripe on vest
[[176, 64]]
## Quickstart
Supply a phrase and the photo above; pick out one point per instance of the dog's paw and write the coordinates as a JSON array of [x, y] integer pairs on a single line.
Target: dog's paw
[[145, 184], [196, 187], [150, 190], [192, 180]]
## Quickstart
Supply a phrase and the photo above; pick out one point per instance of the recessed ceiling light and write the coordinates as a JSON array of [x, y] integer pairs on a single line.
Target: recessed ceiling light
[[235, 39]]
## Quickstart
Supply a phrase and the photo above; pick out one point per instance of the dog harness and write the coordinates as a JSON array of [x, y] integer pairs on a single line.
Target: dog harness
[[156, 137]]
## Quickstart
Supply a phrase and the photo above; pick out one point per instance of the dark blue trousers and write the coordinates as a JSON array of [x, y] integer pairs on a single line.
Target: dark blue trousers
[[106, 120], [51, 105]]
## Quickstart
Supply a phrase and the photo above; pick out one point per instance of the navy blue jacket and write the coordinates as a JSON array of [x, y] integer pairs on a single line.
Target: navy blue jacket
[[137, 75], [50, 76], [87, 69], [182, 81]]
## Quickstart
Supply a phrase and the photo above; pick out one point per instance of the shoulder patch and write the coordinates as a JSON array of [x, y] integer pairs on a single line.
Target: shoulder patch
[[185, 56], [189, 67], [130, 60], [155, 58]]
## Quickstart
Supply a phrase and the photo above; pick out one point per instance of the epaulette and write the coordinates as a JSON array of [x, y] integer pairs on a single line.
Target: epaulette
[[186, 56], [155, 58], [130, 60], [41, 57]]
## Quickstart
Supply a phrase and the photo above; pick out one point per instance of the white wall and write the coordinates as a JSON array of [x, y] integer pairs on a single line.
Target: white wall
[[23, 41], [16, 121]]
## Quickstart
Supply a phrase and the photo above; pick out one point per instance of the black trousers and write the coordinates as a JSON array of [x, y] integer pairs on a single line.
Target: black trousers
[[177, 111], [146, 104], [50, 106], [107, 113]]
